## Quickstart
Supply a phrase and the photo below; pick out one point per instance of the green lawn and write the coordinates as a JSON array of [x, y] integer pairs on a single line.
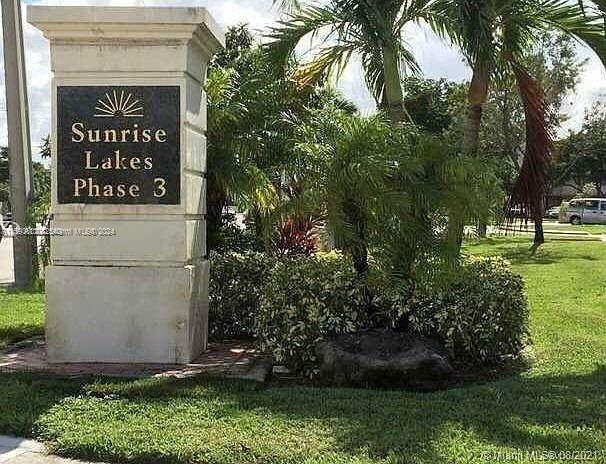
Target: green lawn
[[21, 316], [594, 229], [557, 406]]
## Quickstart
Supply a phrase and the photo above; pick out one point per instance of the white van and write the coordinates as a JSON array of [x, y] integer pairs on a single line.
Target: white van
[[584, 211]]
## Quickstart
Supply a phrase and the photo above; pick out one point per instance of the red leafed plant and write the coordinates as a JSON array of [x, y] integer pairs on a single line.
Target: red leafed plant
[[297, 237]]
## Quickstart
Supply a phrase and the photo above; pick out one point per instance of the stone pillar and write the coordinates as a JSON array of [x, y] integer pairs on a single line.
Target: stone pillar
[[129, 276]]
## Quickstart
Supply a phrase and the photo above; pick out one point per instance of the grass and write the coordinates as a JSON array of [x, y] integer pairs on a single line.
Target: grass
[[594, 229], [21, 316], [553, 226], [557, 406]]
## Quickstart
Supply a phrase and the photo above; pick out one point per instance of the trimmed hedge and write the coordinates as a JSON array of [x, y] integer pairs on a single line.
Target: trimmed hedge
[[289, 305], [481, 314], [237, 281], [304, 301]]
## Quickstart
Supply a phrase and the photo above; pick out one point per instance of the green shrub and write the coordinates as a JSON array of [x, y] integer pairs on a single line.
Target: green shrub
[[481, 313], [306, 300], [236, 287]]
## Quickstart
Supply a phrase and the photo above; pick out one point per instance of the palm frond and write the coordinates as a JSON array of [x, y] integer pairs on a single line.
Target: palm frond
[[308, 21], [531, 185], [374, 74], [579, 20], [331, 60], [287, 5]]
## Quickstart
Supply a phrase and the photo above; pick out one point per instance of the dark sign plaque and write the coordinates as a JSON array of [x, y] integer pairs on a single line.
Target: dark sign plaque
[[118, 145]]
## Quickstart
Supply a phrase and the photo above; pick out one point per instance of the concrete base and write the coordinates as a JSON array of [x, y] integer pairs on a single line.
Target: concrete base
[[126, 314]]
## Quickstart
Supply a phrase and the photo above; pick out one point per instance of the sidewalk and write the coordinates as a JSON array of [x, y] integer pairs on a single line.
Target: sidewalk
[[21, 451]]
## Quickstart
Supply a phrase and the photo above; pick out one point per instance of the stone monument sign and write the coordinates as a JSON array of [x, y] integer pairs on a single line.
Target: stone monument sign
[[129, 276]]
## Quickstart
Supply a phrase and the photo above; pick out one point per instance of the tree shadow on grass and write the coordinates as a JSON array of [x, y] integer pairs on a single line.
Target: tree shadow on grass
[[521, 413], [563, 413], [543, 256], [26, 397], [519, 252]]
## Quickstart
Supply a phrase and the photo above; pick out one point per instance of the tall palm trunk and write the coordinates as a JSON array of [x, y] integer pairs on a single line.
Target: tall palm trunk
[[476, 98], [393, 86], [478, 94]]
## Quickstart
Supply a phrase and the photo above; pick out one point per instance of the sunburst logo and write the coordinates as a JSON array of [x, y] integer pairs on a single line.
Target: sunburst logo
[[116, 106]]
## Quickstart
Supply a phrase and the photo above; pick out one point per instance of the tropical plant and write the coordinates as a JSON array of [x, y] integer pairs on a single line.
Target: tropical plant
[[345, 167], [434, 105], [297, 236], [251, 108], [556, 65], [236, 286], [305, 300], [480, 313], [232, 89], [385, 191]]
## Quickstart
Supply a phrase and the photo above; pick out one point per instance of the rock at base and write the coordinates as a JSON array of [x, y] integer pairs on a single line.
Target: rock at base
[[383, 358]]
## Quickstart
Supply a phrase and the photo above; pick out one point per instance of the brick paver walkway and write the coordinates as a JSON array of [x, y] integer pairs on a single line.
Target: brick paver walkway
[[237, 360]]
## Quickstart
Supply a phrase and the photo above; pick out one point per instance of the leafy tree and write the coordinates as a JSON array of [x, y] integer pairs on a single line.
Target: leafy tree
[[38, 210], [41, 181], [434, 105], [557, 67], [583, 154]]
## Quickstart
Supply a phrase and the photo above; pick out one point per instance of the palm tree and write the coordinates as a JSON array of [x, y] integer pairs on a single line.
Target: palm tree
[[494, 36], [371, 29]]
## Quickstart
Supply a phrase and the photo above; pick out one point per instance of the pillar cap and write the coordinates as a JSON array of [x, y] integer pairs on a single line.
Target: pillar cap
[[117, 24]]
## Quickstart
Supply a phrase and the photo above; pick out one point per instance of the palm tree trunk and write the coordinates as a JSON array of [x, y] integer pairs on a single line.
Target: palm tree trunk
[[532, 183], [393, 86], [472, 130], [476, 98], [539, 235]]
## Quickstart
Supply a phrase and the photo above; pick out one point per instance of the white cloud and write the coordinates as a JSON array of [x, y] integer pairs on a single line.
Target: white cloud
[[591, 90]]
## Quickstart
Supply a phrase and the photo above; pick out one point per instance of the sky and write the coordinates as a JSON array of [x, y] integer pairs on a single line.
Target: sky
[[436, 59]]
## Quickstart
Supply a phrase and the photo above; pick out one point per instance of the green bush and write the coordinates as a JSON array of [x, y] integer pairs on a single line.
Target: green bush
[[306, 300], [481, 313], [236, 287]]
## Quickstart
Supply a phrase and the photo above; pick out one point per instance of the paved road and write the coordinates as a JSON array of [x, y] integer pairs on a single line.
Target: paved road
[[21, 451], [6, 260]]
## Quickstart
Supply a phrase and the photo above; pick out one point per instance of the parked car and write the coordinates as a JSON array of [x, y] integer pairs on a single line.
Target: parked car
[[584, 211], [553, 213]]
